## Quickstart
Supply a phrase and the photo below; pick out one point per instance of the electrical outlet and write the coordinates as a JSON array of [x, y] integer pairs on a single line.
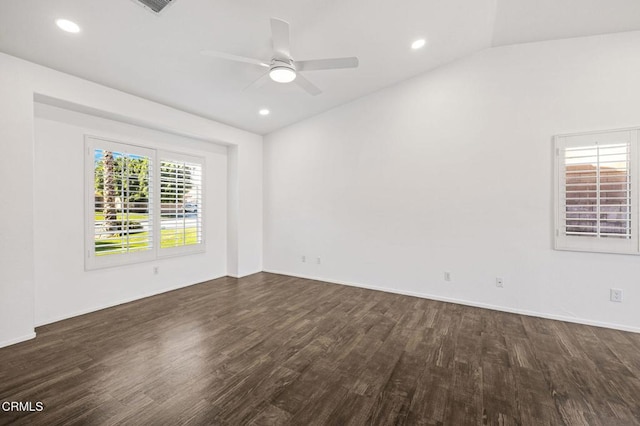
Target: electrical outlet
[[318, 260], [499, 282], [447, 276], [303, 259], [156, 270], [616, 295]]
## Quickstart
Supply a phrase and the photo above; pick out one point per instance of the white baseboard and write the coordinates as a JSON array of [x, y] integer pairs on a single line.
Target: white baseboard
[[18, 340], [119, 302], [243, 275], [469, 303]]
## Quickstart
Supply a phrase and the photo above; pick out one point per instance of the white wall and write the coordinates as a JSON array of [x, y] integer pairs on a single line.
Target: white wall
[[452, 171], [63, 287], [20, 81], [16, 214]]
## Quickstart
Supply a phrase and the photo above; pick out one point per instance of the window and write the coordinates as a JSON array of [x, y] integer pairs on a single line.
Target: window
[[597, 192], [137, 211], [180, 201]]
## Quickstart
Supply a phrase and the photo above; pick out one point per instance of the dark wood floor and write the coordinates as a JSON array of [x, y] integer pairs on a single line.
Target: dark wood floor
[[271, 349]]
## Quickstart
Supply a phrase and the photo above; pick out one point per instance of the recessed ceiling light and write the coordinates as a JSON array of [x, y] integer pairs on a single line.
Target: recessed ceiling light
[[68, 26], [264, 111], [418, 44], [282, 74]]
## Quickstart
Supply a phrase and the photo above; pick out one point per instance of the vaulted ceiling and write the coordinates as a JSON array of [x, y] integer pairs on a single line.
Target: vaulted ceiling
[[157, 57]]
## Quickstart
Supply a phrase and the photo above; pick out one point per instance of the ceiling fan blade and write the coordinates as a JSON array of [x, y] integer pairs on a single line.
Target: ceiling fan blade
[[235, 58], [308, 86], [280, 38], [327, 64], [259, 82]]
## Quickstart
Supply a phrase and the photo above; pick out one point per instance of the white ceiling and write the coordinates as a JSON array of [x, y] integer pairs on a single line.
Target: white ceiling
[[157, 57], [523, 21]]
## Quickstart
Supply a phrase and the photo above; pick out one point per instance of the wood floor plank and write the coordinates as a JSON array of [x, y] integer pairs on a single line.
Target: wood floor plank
[[276, 350]]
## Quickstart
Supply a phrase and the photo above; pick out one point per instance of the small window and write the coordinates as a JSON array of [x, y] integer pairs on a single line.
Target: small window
[[181, 206], [137, 211], [597, 192]]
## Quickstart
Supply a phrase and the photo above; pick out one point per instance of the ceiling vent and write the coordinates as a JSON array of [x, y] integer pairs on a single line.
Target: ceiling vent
[[155, 6]]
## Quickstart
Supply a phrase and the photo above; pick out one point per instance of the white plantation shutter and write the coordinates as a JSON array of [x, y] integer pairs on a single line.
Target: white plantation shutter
[[141, 203], [181, 200], [597, 192], [120, 203]]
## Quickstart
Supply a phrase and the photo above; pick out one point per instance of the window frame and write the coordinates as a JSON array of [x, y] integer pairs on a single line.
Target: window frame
[[93, 262], [596, 244]]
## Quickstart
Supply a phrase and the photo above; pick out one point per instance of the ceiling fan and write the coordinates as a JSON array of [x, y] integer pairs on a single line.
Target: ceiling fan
[[282, 67]]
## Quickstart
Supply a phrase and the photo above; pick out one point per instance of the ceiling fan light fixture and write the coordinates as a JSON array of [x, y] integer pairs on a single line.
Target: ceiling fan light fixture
[[282, 74]]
